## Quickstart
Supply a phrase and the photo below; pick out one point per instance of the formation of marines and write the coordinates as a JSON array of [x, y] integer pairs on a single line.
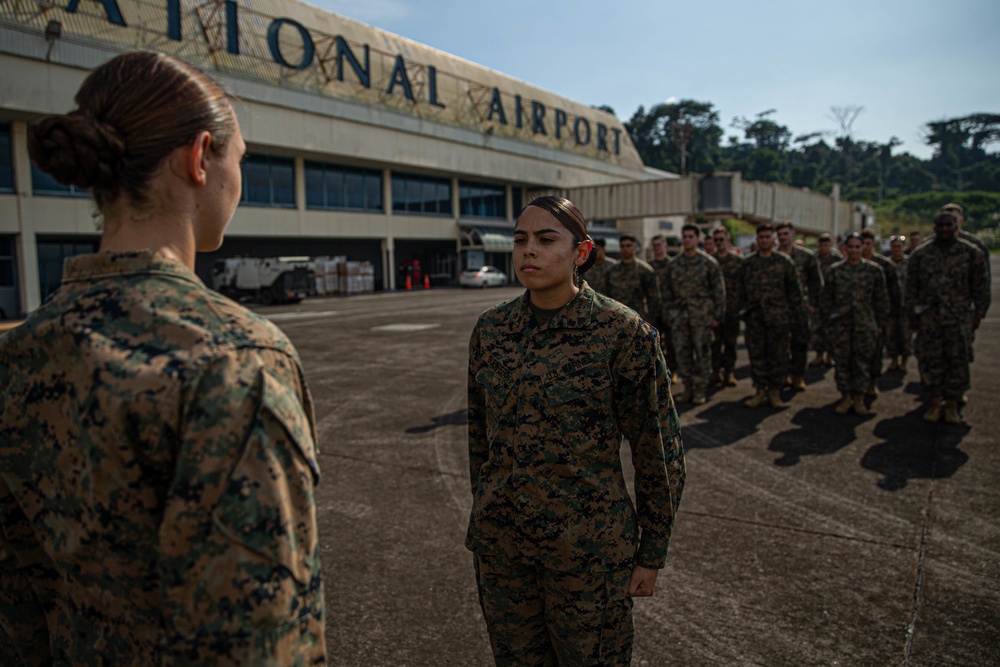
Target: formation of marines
[[855, 307]]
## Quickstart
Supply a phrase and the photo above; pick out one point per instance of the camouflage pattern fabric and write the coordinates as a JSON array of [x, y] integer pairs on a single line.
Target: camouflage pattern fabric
[[542, 617], [597, 275], [811, 277], [854, 306], [659, 267], [725, 344], [819, 337], [894, 290], [969, 238], [157, 471], [548, 408], [770, 295], [947, 293], [634, 284], [695, 295], [898, 332]]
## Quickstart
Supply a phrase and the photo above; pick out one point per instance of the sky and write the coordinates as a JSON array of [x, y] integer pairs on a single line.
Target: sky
[[906, 62]]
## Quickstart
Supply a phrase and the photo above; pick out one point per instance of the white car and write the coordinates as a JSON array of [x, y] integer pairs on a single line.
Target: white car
[[484, 276]]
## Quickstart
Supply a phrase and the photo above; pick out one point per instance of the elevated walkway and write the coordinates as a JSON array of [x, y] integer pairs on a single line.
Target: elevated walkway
[[719, 196]]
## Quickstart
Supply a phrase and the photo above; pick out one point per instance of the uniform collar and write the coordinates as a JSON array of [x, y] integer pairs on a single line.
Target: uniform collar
[[577, 314], [112, 264]]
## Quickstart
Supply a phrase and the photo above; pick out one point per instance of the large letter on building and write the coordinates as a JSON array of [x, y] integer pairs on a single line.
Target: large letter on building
[[110, 8], [399, 76]]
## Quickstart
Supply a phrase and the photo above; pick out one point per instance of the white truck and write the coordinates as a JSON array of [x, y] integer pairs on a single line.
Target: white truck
[[265, 280]]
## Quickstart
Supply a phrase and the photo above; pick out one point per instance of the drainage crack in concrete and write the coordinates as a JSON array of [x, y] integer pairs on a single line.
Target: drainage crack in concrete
[[918, 585], [795, 529], [423, 469]]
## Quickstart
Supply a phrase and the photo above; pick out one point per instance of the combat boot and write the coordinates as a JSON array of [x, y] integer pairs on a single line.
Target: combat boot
[[951, 413], [872, 389], [699, 397], [893, 365], [846, 400], [829, 359], [858, 403], [717, 377], [730, 379], [817, 360], [685, 396], [933, 413], [774, 398], [798, 384], [759, 399]]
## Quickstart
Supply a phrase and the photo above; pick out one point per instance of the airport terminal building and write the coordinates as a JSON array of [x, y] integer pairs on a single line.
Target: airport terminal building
[[361, 143]]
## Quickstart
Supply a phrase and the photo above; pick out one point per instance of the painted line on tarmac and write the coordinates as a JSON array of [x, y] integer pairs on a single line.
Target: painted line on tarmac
[[405, 328], [282, 317]]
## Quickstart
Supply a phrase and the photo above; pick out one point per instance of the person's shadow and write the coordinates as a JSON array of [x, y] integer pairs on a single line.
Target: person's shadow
[[724, 424], [914, 449], [456, 418], [823, 432]]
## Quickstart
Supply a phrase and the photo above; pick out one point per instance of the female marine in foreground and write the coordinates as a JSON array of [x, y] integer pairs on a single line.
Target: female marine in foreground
[[556, 378], [157, 455]]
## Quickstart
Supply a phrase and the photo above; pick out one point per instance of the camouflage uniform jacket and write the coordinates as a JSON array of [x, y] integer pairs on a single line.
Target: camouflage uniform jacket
[[770, 286], [695, 287], [892, 283], [825, 263], [970, 238], [855, 296], [901, 268], [810, 274], [948, 281], [157, 469], [660, 267], [634, 284], [548, 407], [730, 264], [597, 275]]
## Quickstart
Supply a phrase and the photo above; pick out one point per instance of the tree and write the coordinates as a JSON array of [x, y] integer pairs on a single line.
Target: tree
[[655, 135]]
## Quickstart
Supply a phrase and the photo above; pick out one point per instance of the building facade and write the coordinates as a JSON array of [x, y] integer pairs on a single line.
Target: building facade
[[360, 142]]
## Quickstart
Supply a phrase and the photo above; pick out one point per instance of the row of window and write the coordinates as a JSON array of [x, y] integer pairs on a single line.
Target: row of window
[[270, 181]]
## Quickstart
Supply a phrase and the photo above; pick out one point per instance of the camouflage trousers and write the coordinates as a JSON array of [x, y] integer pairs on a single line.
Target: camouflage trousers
[[542, 617], [820, 339], [852, 349], [877, 354], [724, 344], [945, 353], [693, 344], [898, 336], [667, 345], [767, 345], [798, 345]]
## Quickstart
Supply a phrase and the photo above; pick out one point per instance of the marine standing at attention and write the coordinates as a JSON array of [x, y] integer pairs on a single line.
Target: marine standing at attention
[[598, 273], [557, 377], [694, 304], [811, 278], [827, 256], [726, 336], [661, 260], [633, 282], [854, 307], [157, 445], [770, 295]]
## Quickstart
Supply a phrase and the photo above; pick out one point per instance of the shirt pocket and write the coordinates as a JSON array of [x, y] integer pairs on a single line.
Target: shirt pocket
[[580, 400], [269, 505]]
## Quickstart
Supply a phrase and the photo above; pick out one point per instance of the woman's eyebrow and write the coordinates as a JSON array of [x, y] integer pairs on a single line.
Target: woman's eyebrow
[[537, 232]]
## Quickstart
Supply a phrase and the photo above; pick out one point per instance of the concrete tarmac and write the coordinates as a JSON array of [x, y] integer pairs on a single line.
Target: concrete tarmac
[[803, 538]]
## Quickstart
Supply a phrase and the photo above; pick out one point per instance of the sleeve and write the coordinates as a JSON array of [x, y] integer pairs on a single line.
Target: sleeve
[[717, 287], [478, 445], [741, 291], [24, 634], [815, 277], [827, 297], [240, 572], [880, 299], [793, 287], [652, 292], [912, 295], [648, 419], [892, 286], [980, 285]]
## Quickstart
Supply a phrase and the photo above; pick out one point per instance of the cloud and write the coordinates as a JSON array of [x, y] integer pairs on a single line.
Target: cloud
[[671, 100]]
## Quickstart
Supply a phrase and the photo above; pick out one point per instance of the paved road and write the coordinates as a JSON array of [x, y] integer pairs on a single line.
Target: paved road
[[803, 538]]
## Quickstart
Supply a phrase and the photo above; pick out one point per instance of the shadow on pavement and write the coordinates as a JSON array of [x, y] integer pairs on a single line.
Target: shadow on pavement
[[837, 433], [914, 449], [456, 418], [725, 423]]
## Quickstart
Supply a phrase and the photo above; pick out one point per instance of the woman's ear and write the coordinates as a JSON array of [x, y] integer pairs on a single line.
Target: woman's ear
[[583, 251], [197, 159]]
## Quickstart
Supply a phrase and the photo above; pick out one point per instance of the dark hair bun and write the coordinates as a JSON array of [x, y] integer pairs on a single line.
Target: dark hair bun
[[76, 149]]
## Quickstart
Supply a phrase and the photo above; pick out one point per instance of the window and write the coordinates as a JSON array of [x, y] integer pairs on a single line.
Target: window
[[421, 195], [6, 160], [479, 200], [7, 273], [330, 186], [268, 181], [517, 199]]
